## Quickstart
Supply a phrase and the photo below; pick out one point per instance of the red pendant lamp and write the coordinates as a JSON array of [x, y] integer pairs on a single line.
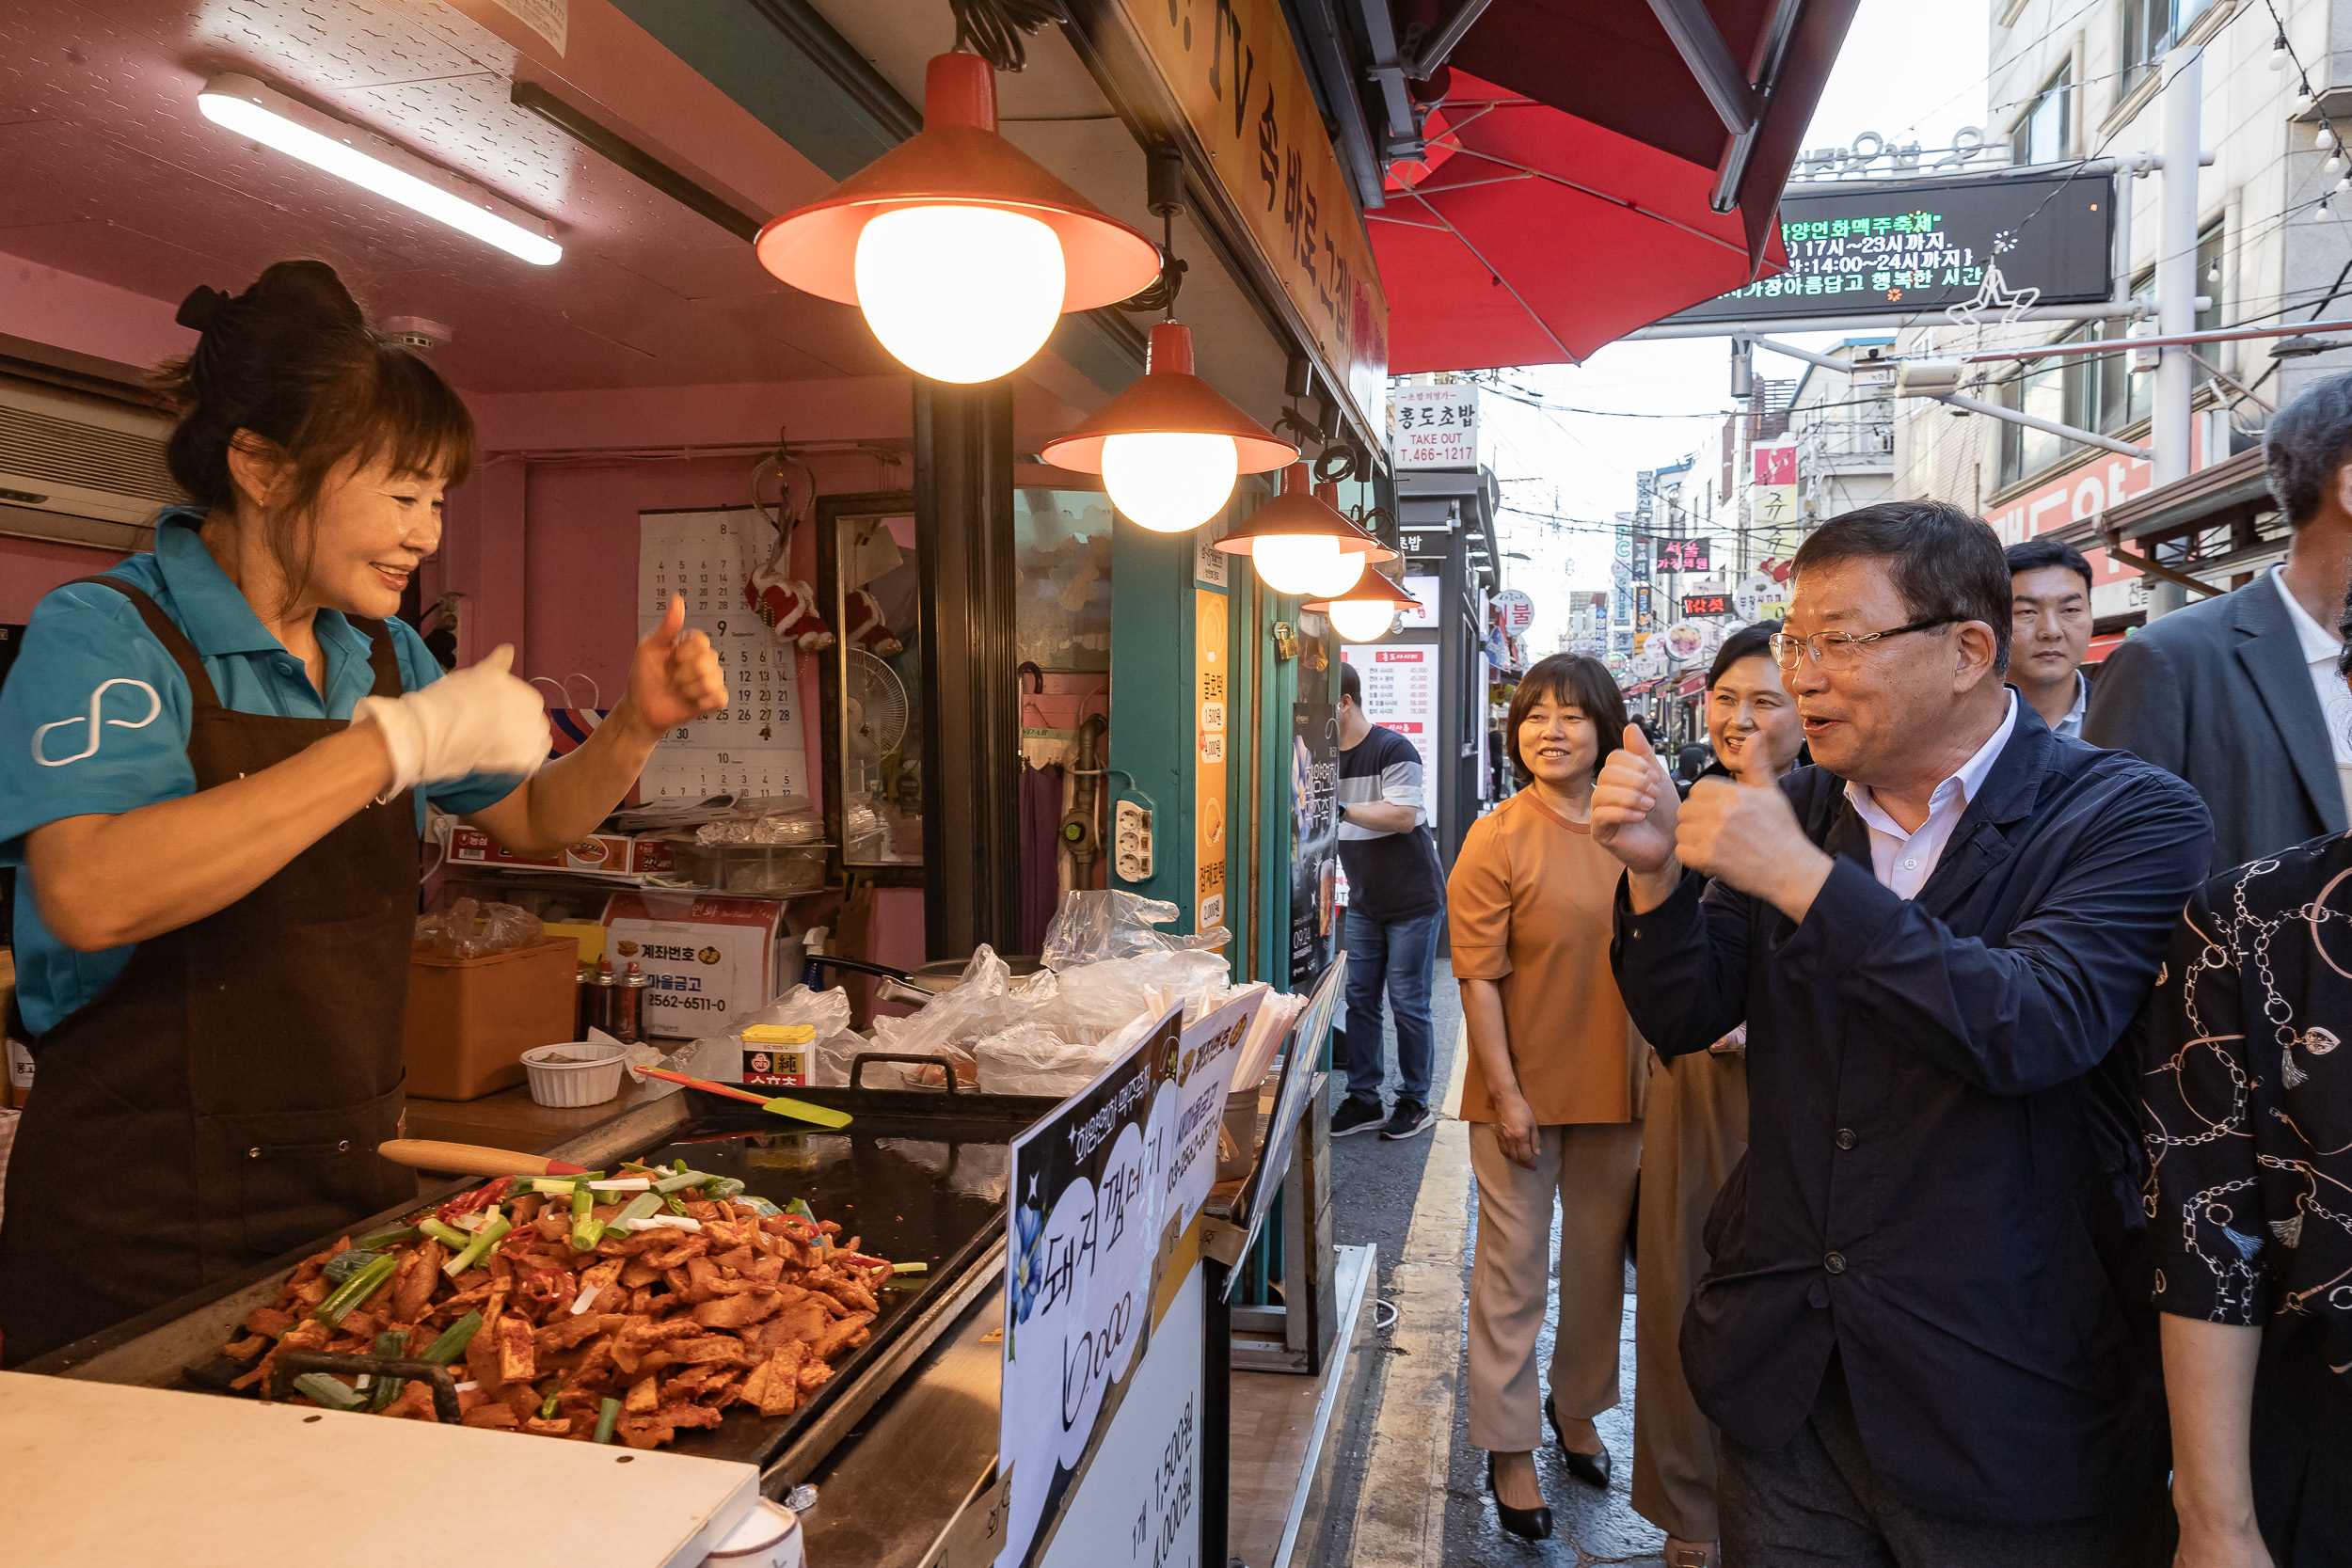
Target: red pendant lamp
[[1301, 544], [1169, 446], [1367, 611], [960, 248]]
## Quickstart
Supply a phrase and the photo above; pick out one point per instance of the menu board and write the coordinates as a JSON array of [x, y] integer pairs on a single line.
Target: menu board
[[1103, 1189], [754, 745], [1401, 687]]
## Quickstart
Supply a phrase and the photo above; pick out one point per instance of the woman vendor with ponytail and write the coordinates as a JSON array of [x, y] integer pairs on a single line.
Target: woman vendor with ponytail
[[213, 766]]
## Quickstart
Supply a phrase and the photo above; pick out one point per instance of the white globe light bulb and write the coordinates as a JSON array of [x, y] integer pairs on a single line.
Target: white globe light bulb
[[1338, 575], [1293, 563], [1167, 481], [959, 294], [1362, 620]]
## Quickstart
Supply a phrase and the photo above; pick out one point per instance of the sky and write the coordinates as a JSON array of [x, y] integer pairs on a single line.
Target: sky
[[1581, 467]]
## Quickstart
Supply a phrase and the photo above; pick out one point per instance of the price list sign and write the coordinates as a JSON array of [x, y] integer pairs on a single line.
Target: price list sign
[[1922, 245], [754, 745], [1682, 555]]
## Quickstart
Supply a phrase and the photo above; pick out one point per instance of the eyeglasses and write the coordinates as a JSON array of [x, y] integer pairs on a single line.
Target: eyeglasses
[[1838, 650]]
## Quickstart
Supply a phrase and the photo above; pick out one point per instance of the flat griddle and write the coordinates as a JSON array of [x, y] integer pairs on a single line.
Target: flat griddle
[[918, 1175]]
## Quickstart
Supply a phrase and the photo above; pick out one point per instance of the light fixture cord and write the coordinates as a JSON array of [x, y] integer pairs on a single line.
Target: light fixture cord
[[997, 30]]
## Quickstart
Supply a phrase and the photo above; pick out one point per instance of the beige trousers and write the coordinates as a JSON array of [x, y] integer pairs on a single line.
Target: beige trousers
[[1698, 1132], [1592, 1167]]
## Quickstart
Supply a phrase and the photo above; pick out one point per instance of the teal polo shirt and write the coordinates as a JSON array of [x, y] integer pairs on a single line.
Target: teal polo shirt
[[95, 718]]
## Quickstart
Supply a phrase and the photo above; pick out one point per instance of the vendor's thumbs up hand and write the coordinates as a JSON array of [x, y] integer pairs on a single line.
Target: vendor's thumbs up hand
[[477, 720], [675, 676], [1634, 809]]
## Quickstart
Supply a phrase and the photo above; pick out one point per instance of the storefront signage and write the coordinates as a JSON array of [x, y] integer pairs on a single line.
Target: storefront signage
[[2086, 490], [1684, 639], [1211, 674], [1433, 427], [1924, 244], [1314, 837], [1516, 610], [1644, 605], [1236, 78], [1682, 555], [1083, 1234], [1103, 1189], [1707, 604]]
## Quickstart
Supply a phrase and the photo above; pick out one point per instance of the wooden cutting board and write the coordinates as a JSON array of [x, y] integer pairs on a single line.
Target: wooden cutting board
[[104, 1476]]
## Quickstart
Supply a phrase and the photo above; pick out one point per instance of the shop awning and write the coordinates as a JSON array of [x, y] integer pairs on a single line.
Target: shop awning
[[1580, 182], [1615, 65], [2233, 488], [1692, 684]]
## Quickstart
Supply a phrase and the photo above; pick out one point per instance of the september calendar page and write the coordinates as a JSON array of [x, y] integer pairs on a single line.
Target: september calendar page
[[754, 745]]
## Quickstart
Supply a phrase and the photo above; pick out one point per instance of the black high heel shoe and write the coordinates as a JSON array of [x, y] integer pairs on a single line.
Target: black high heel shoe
[[1592, 1469], [1528, 1524]]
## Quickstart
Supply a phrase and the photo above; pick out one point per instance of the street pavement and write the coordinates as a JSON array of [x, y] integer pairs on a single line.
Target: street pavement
[[1387, 1194]]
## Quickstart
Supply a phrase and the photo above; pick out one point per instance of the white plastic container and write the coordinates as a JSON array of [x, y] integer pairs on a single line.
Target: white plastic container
[[592, 1076], [769, 1537]]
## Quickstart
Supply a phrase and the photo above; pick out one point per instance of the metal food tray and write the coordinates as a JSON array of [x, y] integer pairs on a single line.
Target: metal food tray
[[918, 1176]]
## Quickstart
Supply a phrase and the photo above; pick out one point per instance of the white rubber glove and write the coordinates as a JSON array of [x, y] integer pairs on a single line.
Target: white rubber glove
[[479, 720]]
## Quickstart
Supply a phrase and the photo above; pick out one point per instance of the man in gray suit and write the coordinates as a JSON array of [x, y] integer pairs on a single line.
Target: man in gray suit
[[2239, 694]]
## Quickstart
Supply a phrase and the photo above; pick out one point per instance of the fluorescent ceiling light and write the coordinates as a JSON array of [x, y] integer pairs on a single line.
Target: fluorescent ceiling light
[[243, 105]]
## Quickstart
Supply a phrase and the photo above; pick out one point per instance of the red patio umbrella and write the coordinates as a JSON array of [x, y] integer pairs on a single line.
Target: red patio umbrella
[[1528, 236]]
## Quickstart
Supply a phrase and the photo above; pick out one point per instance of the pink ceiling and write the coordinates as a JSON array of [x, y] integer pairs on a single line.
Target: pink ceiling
[[111, 172]]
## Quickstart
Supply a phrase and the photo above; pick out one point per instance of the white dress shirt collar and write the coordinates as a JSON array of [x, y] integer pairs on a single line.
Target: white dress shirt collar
[[1903, 859], [2071, 726], [2317, 640]]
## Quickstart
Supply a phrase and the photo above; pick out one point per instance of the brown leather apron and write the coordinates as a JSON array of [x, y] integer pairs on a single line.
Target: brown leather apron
[[220, 1103]]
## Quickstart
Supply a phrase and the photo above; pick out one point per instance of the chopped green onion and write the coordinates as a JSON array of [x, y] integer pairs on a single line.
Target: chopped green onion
[[547, 1405], [761, 1207], [448, 1235], [684, 1179], [352, 1292], [909, 1268], [681, 1163], [451, 1344], [383, 1238], [478, 1248], [621, 1184], [722, 1188], [391, 1344], [671, 1200], [332, 1392], [644, 1205], [348, 1262], [587, 1230], [608, 1414]]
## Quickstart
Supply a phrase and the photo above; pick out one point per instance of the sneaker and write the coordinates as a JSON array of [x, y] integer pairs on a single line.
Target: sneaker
[[1410, 1119], [1357, 1116]]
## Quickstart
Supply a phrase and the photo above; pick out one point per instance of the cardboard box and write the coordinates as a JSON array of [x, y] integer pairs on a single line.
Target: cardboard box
[[777, 1055], [596, 852], [708, 956], [470, 1020]]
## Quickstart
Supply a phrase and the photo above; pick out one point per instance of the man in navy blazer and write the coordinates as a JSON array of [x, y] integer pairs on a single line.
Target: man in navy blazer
[[1925, 1331], [2239, 693]]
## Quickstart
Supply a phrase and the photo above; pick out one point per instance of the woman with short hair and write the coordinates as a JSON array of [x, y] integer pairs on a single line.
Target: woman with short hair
[[1552, 1090]]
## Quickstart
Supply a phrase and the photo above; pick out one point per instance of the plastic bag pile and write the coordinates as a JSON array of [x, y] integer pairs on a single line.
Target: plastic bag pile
[[467, 930], [1108, 976]]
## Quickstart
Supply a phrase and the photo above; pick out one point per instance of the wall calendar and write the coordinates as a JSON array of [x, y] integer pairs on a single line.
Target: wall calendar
[[754, 745]]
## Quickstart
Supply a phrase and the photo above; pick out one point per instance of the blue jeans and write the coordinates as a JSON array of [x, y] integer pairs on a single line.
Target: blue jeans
[[1399, 956]]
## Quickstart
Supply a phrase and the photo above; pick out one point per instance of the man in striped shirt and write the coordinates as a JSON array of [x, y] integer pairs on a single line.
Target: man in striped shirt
[[1395, 907]]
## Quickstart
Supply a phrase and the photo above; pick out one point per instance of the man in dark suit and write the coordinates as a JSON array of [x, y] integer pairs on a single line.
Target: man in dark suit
[[1925, 1333], [2238, 693]]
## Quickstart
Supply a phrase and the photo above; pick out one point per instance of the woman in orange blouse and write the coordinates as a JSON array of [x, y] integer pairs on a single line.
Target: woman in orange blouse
[[1553, 1089]]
